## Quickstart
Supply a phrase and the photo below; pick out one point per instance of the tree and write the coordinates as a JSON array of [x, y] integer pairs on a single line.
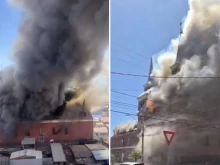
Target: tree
[[135, 155]]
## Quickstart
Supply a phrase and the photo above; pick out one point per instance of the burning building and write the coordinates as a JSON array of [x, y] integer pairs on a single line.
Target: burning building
[[63, 124], [183, 96], [60, 44]]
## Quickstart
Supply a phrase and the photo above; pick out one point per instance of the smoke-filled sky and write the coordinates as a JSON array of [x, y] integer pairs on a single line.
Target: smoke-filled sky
[[57, 44], [200, 48], [9, 28], [148, 29]]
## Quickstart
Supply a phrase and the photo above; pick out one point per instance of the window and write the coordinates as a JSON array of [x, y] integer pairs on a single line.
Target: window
[[66, 131], [53, 131], [129, 140], [122, 141], [28, 133], [41, 138]]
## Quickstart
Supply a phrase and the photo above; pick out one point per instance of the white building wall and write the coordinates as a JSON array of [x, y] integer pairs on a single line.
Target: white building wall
[[27, 162]]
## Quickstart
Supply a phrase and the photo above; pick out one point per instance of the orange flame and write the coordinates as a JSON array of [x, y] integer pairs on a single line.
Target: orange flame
[[150, 106]]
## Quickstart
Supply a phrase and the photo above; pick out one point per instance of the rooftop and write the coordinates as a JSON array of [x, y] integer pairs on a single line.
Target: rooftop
[[100, 130], [101, 155], [28, 141], [84, 153], [27, 154], [60, 121], [93, 147], [57, 152]]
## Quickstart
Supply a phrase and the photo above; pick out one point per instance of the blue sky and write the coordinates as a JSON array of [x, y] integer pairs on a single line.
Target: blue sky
[[145, 27], [9, 24]]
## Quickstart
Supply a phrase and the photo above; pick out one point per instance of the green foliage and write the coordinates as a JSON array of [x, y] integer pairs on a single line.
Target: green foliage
[[135, 155]]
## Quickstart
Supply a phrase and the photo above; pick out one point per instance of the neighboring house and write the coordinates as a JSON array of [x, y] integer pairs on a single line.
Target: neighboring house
[[123, 144], [99, 124], [105, 119], [100, 133]]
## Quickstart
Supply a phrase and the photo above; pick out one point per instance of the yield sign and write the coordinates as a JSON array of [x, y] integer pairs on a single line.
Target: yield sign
[[169, 136]]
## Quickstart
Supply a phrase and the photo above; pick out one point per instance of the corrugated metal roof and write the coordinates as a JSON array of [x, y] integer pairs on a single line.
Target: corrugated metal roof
[[101, 154], [95, 146], [78, 148], [28, 141], [82, 154], [57, 152], [89, 160], [26, 153], [80, 151], [100, 130]]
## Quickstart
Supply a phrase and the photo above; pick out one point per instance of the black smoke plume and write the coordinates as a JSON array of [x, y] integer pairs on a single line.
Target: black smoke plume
[[60, 42]]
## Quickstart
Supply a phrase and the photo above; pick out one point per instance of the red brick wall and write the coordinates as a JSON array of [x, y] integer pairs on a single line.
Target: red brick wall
[[76, 130]]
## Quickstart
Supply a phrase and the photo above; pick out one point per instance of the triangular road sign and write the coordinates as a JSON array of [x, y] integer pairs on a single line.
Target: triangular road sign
[[169, 136]]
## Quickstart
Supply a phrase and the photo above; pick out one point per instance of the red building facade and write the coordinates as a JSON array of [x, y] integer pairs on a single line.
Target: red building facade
[[58, 130]]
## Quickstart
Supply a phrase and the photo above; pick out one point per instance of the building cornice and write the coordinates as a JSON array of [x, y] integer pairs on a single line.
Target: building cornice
[[126, 133]]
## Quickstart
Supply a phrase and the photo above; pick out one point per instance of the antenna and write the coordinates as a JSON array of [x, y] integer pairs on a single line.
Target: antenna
[[181, 30]]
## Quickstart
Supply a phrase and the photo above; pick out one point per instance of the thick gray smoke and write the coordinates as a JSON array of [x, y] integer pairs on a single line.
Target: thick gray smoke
[[60, 42], [199, 53], [126, 127], [199, 56]]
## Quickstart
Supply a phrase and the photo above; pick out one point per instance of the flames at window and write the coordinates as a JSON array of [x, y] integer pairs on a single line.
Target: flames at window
[[150, 106]]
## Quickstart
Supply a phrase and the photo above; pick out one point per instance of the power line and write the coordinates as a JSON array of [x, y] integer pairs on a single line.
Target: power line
[[156, 118], [124, 107], [129, 63], [123, 103], [138, 75], [167, 121], [129, 74], [126, 54], [123, 93], [143, 56], [130, 90], [158, 102]]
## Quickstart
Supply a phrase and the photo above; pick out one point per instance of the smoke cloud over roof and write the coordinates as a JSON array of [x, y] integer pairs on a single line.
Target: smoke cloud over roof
[[199, 54], [60, 43]]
